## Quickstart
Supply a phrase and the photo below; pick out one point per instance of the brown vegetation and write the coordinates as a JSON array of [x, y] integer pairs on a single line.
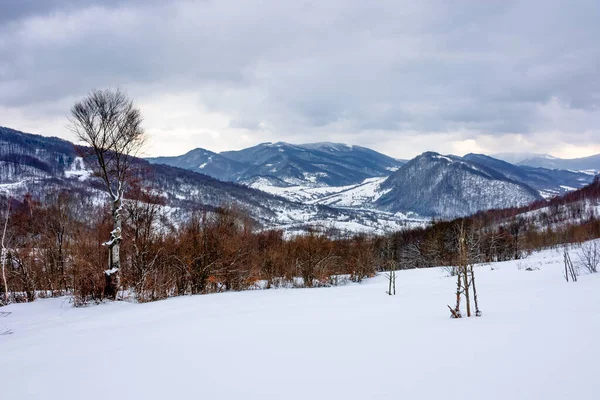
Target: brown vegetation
[[54, 247]]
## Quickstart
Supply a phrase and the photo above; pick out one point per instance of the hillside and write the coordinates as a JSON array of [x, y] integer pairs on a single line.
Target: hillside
[[548, 182], [450, 186], [205, 162], [329, 339], [295, 186], [591, 163], [285, 164], [40, 165]]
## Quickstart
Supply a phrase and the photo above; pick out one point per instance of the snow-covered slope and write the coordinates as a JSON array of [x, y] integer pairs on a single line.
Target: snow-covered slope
[[448, 186], [205, 162], [517, 157], [361, 195], [548, 182], [460, 185], [537, 339], [591, 163], [285, 164], [38, 165]]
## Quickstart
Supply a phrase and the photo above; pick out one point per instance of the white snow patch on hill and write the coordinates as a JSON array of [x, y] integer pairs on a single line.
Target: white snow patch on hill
[[537, 339], [78, 169], [361, 195]]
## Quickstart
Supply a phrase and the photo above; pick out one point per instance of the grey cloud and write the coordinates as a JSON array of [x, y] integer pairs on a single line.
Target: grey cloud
[[316, 67]]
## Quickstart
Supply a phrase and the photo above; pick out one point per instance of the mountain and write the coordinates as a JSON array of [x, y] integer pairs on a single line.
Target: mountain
[[353, 177], [517, 157], [38, 165], [591, 163], [285, 164], [448, 186], [548, 182], [295, 186], [205, 162]]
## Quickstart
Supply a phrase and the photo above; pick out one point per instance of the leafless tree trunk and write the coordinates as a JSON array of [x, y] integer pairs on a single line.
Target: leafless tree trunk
[[391, 266], [456, 311], [570, 270], [468, 252], [391, 275], [108, 122], [4, 253], [463, 266], [477, 311]]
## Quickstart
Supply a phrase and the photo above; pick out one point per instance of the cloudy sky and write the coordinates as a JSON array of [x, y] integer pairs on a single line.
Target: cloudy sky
[[401, 77]]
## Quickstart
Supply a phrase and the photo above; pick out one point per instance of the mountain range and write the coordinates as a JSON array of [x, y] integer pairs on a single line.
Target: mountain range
[[591, 163], [39, 165], [355, 177], [293, 186], [285, 164]]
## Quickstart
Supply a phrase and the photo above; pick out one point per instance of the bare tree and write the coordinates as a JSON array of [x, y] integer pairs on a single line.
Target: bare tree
[[468, 253], [390, 264], [4, 253], [570, 270], [589, 256], [108, 122]]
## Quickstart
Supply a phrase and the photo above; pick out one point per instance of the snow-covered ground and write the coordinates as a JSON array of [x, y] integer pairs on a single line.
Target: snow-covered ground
[[361, 195], [537, 339]]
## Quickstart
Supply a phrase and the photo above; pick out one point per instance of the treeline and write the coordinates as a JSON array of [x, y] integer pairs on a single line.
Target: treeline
[[55, 246], [501, 235]]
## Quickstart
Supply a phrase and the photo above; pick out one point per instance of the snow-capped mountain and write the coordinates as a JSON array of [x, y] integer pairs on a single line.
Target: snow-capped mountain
[[205, 162], [448, 186], [38, 165], [517, 157], [343, 176], [467, 184], [590, 164], [293, 186], [548, 182], [284, 164]]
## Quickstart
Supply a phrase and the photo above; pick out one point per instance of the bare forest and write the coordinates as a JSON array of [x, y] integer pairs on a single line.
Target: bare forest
[[56, 246]]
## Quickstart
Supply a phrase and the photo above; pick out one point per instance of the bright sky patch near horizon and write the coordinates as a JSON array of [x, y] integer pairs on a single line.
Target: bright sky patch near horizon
[[398, 77]]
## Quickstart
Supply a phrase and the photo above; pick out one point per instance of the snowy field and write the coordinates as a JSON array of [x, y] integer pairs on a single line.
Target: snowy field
[[537, 339]]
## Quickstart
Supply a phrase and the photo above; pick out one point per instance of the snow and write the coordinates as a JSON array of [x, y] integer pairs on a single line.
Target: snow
[[8, 188], [569, 188], [361, 195], [440, 157], [202, 166], [592, 172], [313, 177], [537, 339], [78, 170]]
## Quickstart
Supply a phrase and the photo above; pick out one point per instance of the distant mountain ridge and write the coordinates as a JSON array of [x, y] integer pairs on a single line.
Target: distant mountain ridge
[[205, 162], [285, 164], [346, 176], [305, 184], [548, 182], [448, 186], [38, 165], [591, 163]]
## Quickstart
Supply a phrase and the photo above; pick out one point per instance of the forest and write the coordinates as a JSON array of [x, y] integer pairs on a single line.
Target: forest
[[56, 246]]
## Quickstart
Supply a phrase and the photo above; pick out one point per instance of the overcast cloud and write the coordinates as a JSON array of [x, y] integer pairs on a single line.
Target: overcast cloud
[[399, 77]]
